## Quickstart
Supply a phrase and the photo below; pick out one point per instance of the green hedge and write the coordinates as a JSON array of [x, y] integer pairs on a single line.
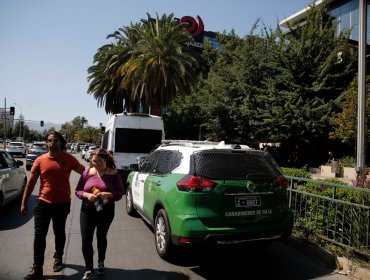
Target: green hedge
[[296, 172]]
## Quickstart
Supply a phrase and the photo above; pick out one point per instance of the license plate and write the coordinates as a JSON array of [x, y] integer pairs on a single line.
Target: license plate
[[247, 201]]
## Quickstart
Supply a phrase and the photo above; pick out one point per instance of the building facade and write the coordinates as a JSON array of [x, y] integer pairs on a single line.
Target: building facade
[[344, 12]]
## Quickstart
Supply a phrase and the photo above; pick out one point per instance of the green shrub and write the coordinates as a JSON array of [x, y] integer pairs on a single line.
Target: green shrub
[[305, 229], [296, 172], [347, 162], [325, 190]]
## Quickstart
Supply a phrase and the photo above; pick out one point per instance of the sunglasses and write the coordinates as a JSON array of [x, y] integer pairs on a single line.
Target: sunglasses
[[53, 140], [98, 161]]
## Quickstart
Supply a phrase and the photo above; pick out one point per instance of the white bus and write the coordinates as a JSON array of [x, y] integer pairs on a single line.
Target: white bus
[[131, 136]]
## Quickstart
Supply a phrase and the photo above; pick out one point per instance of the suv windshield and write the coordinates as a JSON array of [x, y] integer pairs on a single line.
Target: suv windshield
[[130, 140], [220, 165], [39, 146]]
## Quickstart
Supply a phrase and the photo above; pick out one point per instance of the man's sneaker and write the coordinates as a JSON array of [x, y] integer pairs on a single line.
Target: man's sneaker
[[58, 264], [101, 268], [35, 273], [89, 274]]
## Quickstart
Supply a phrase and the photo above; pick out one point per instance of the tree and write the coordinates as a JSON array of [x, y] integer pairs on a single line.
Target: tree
[[276, 87], [69, 130], [105, 77], [344, 121], [89, 135], [80, 121], [148, 62], [308, 78], [20, 129]]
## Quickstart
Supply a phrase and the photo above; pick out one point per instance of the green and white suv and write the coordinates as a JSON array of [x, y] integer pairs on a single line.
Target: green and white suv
[[197, 193]]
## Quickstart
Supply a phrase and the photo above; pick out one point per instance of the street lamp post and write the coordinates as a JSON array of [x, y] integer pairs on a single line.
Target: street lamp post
[[20, 120], [360, 168]]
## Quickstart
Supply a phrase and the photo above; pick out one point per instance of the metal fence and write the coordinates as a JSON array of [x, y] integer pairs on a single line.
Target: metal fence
[[339, 214]]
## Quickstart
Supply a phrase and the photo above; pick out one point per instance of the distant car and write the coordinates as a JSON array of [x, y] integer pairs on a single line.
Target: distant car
[[83, 149], [37, 149], [88, 152], [196, 192], [17, 148], [13, 178]]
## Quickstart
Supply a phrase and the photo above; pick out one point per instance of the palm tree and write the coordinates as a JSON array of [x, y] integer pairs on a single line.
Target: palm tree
[[148, 62], [105, 77], [79, 121], [161, 65]]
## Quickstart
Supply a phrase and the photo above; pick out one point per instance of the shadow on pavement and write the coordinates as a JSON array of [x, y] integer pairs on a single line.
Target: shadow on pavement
[[11, 217], [250, 262], [74, 272]]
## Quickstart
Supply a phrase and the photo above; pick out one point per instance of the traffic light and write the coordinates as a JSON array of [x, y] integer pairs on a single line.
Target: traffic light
[[102, 129], [12, 111], [41, 123]]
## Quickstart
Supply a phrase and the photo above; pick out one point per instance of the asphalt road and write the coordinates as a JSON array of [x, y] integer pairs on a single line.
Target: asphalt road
[[131, 253]]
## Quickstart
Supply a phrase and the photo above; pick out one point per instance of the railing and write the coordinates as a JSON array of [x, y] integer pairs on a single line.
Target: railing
[[343, 222]]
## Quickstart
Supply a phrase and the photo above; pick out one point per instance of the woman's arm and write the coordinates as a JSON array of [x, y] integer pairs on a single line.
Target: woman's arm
[[116, 191], [81, 183], [118, 187]]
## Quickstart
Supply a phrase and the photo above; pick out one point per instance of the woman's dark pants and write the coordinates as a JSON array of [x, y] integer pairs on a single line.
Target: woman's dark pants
[[89, 220]]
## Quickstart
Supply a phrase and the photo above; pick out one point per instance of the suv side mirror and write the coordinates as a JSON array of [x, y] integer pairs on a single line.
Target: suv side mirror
[[140, 161], [134, 167]]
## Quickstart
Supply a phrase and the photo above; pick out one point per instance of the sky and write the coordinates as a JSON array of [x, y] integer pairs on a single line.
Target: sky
[[46, 46]]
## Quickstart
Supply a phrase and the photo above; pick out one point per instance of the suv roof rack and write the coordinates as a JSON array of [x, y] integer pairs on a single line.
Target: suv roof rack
[[190, 143]]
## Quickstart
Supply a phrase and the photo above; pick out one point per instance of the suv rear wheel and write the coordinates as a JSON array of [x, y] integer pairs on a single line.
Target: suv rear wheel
[[162, 234]]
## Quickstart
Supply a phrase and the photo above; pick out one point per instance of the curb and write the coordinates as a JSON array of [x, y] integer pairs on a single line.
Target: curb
[[346, 267], [360, 273]]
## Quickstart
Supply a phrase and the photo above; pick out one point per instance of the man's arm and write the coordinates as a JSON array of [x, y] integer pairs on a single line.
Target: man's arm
[[79, 169], [28, 190]]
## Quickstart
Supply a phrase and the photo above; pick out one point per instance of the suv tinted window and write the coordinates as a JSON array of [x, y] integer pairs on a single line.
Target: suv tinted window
[[234, 165], [10, 160], [161, 162], [3, 163]]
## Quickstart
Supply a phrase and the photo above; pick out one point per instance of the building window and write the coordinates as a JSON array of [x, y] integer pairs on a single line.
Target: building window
[[346, 17]]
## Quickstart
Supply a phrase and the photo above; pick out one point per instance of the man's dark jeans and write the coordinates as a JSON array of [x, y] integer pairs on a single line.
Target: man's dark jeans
[[43, 213]]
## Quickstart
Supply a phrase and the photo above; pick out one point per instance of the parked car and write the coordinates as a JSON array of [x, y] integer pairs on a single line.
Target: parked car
[[13, 178], [197, 193], [17, 148], [37, 149]]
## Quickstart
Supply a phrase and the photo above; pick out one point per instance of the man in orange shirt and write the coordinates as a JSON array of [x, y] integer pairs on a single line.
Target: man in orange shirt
[[54, 200]]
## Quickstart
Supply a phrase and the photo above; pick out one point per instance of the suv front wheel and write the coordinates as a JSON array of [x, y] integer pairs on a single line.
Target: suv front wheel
[[162, 234], [129, 203]]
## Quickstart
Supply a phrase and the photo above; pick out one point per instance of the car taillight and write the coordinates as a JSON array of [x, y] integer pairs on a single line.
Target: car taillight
[[191, 183], [281, 181], [187, 240]]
